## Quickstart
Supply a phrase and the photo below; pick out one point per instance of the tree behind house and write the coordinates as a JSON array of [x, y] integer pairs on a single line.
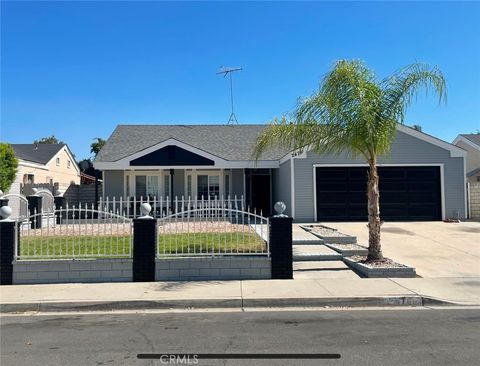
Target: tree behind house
[[96, 145], [48, 140]]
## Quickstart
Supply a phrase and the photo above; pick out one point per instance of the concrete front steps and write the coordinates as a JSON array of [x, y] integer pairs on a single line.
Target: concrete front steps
[[322, 269], [303, 237], [302, 253]]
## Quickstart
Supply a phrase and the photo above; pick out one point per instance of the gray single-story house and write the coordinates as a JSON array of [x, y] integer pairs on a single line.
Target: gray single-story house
[[423, 178]]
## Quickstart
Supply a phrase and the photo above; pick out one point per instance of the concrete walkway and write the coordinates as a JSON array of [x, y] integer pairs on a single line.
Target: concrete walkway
[[227, 294], [435, 249]]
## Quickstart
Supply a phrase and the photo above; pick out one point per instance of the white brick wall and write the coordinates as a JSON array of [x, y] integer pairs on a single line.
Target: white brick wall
[[120, 270], [70, 271], [208, 268]]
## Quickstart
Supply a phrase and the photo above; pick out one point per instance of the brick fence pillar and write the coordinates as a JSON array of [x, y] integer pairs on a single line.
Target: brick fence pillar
[[35, 207], [144, 243], [7, 245], [280, 242]]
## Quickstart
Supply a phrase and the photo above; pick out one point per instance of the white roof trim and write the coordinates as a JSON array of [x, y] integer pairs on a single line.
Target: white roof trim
[[218, 162], [31, 164], [467, 141], [455, 151]]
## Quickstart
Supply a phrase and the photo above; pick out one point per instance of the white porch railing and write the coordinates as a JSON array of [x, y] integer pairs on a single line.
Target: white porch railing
[[163, 206]]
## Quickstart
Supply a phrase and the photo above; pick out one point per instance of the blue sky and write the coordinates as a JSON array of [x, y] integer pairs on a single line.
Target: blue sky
[[77, 69]]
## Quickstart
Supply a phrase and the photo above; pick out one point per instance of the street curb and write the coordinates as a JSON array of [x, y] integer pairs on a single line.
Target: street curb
[[354, 302]]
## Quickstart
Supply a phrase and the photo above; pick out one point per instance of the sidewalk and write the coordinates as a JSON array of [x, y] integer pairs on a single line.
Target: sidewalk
[[241, 294]]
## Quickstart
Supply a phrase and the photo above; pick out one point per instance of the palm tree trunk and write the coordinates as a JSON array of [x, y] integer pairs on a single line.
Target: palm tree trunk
[[374, 247]]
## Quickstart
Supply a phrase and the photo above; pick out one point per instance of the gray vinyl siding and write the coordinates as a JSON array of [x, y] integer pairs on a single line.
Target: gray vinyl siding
[[179, 183], [406, 150], [237, 182], [281, 185], [113, 183]]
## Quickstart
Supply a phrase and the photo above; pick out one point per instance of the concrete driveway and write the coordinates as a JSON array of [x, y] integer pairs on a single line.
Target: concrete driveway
[[435, 249]]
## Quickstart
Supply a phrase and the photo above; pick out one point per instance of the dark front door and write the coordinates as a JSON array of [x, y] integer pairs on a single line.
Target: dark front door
[[260, 194], [406, 193]]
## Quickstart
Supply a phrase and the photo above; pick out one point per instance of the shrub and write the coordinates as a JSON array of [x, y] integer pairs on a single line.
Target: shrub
[[8, 166]]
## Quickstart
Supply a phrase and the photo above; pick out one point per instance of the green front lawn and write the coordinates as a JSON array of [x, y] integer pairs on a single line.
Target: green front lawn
[[203, 243], [71, 247]]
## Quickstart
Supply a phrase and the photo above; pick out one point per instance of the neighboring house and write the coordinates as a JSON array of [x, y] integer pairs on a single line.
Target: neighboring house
[[421, 179], [51, 164], [471, 143]]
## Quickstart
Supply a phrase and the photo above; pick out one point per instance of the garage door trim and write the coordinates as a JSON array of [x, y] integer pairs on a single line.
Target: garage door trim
[[442, 180]]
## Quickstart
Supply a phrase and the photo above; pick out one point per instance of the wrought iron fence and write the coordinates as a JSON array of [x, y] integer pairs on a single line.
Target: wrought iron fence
[[212, 231], [74, 232], [19, 205]]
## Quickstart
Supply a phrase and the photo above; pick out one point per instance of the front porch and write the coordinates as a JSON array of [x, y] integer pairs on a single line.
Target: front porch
[[176, 190]]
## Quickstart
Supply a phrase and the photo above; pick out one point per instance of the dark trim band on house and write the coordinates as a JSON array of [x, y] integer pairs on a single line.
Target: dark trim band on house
[[172, 156]]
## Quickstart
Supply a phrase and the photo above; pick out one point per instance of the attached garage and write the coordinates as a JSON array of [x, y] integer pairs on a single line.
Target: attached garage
[[407, 193]]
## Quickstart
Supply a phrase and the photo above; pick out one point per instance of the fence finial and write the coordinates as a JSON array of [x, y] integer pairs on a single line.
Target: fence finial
[[145, 209], [5, 212], [280, 207]]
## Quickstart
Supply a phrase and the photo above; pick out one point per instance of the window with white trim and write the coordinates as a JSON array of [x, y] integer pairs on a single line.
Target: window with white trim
[[208, 186], [58, 161], [146, 186], [140, 186], [152, 186]]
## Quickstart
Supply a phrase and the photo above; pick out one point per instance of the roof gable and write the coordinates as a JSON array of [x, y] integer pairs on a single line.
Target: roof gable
[[36, 153], [472, 140], [473, 137]]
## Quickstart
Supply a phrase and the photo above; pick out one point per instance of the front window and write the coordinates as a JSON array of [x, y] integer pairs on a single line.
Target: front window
[[28, 179], [152, 186], [141, 186], [208, 186]]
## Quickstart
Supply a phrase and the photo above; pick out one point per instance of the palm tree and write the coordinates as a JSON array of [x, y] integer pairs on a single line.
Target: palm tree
[[356, 113]]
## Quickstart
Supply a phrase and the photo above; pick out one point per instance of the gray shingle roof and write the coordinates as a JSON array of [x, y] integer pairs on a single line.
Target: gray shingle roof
[[41, 153], [474, 137], [226, 142]]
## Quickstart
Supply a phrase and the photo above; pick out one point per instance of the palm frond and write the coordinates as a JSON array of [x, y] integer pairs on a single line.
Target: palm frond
[[403, 87]]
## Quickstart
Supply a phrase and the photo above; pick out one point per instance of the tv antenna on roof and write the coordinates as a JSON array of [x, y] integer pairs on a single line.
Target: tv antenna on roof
[[229, 71]]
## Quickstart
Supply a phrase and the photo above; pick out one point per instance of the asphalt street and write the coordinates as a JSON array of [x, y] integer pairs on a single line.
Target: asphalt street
[[361, 337]]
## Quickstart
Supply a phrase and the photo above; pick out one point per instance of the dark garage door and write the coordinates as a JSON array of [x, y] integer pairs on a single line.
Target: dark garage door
[[406, 193]]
